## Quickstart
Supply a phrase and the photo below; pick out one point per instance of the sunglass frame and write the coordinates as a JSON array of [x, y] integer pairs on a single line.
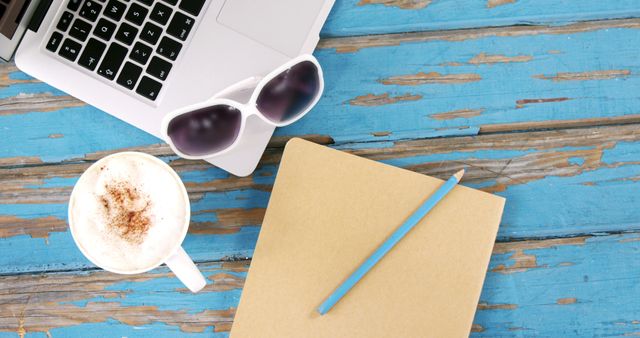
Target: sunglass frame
[[246, 109]]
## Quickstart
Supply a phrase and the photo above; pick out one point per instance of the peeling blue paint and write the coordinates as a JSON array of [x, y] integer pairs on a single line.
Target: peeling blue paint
[[208, 174], [28, 134], [621, 153], [579, 161], [19, 75], [29, 211], [593, 201], [55, 182], [593, 273], [351, 17], [158, 287], [245, 199], [355, 74]]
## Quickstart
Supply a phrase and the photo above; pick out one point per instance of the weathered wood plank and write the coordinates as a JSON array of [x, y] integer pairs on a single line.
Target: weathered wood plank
[[389, 88], [483, 78], [573, 283], [551, 180], [147, 305], [560, 288], [432, 84], [362, 17]]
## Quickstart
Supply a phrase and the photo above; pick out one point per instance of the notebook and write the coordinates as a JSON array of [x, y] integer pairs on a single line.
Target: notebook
[[328, 211]]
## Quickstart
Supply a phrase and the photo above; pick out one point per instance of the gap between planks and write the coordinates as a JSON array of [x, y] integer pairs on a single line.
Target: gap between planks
[[352, 44]]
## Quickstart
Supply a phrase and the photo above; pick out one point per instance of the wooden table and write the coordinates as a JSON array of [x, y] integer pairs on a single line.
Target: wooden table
[[538, 99]]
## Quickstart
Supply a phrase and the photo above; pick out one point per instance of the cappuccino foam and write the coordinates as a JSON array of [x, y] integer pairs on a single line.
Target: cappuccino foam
[[128, 212]]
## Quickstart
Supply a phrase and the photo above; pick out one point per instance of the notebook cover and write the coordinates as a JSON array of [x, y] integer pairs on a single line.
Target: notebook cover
[[328, 212]]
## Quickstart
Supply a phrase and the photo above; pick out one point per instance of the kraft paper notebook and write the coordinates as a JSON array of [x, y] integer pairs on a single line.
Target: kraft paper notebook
[[328, 211]]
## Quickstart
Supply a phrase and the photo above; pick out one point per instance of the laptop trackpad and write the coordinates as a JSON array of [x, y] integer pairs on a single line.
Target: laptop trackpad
[[280, 24]]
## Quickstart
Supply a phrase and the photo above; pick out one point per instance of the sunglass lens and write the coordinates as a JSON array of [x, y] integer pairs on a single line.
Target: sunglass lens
[[288, 95], [206, 130]]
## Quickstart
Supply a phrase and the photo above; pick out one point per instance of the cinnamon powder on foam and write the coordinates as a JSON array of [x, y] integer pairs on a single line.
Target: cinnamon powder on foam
[[126, 211]]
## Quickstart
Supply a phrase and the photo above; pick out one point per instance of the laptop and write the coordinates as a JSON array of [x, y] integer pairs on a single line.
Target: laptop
[[140, 59]]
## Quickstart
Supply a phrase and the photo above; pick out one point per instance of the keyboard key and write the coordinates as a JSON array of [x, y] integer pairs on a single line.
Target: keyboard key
[[173, 2], [169, 48], [90, 10], [136, 14], [115, 10], [180, 26], [150, 33], [112, 61], [54, 41], [73, 5], [70, 49], [80, 29], [104, 29], [159, 68], [160, 13], [192, 6], [126, 33], [146, 2], [65, 21], [149, 88], [91, 54], [140, 53], [129, 75]]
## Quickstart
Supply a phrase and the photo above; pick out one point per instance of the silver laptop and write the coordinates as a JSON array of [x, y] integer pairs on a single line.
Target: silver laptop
[[140, 59]]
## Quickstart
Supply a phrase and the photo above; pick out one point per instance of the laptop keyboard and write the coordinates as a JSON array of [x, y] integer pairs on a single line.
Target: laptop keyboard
[[131, 42]]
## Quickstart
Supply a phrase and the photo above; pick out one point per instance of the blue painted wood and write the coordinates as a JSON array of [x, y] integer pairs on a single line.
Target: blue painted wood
[[358, 74], [116, 329], [495, 91], [584, 287], [602, 198], [100, 304], [362, 17], [535, 172], [379, 98], [605, 61], [22, 253], [563, 287]]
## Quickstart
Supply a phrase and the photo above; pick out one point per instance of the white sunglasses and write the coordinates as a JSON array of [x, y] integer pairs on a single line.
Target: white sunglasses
[[215, 126]]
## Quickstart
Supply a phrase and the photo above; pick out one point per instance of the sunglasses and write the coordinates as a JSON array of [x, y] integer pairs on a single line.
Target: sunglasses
[[215, 126]]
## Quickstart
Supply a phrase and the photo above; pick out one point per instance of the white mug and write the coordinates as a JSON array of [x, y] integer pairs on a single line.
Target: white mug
[[175, 257]]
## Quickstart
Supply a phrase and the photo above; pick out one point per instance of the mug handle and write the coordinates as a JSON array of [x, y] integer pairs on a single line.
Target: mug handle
[[186, 271]]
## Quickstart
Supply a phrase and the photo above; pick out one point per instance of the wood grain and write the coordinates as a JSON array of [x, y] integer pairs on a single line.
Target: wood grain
[[562, 170], [365, 17], [404, 99], [404, 4], [353, 44], [568, 277], [583, 76], [430, 78], [536, 98], [45, 303], [490, 59]]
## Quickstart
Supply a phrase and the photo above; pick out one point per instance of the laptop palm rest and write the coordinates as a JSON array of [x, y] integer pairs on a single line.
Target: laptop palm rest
[[263, 21]]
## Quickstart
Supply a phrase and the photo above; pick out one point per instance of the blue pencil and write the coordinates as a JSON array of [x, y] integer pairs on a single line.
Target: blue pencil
[[390, 243]]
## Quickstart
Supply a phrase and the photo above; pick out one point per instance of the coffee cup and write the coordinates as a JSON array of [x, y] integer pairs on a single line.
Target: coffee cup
[[129, 212]]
